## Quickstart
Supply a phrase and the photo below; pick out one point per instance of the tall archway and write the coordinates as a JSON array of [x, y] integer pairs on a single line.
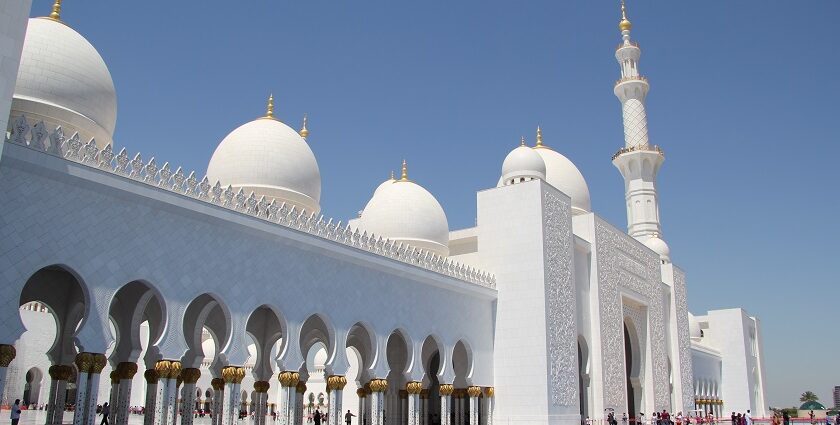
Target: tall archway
[[462, 366], [583, 377], [632, 365], [205, 318], [430, 354], [32, 388], [361, 350], [317, 339], [398, 352]]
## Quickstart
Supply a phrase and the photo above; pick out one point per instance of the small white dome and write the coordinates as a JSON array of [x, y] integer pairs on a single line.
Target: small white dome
[[404, 211], [63, 80], [694, 327], [565, 177], [659, 246], [522, 163], [271, 159]]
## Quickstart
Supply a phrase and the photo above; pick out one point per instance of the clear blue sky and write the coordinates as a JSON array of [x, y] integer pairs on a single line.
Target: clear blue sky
[[744, 100]]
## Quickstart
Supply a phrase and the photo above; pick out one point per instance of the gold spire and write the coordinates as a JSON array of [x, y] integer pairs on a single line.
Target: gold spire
[[269, 111], [392, 176], [303, 130], [625, 24], [56, 11], [404, 177], [539, 138]]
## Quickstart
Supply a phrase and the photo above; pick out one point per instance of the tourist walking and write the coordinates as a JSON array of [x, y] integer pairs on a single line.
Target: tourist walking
[[785, 418], [16, 412], [106, 410], [348, 417], [748, 417], [317, 417]]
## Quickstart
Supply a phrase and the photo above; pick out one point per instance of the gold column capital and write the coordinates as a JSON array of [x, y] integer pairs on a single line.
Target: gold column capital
[[446, 389], [115, 377], [190, 375], [414, 387], [473, 391], [217, 383], [378, 385], [60, 372], [84, 361], [300, 387], [361, 393], [151, 376], [7, 354], [336, 382], [489, 391], [288, 378], [261, 386], [126, 370], [424, 394], [233, 374]]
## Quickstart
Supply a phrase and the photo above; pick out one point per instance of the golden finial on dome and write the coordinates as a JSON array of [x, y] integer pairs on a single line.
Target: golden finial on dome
[[56, 11], [303, 130], [539, 138], [269, 111], [404, 177], [521, 140], [625, 24], [392, 176]]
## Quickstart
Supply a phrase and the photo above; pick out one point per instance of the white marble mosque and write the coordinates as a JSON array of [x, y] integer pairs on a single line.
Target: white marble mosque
[[131, 280]]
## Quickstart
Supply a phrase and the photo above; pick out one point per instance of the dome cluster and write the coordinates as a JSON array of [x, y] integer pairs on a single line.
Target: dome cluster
[[541, 162]]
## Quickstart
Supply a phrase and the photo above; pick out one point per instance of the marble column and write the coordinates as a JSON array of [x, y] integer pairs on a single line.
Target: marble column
[[233, 376], [413, 411], [362, 394], [474, 393], [489, 392], [368, 398], [288, 383], [424, 407], [114, 394], [59, 374], [167, 391], [297, 403], [150, 408], [335, 393], [189, 376], [7, 354], [445, 406], [456, 407], [87, 387], [125, 373], [399, 414], [217, 403], [261, 403], [377, 401]]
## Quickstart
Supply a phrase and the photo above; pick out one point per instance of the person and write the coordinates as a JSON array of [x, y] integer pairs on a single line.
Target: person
[[828, 419], [811, 414], [16, 412], [624, 418], [348, 417], [679, 417], [317, 417], [785, 418], [734, 419], [775, 420], [748, 417], [106, 410]]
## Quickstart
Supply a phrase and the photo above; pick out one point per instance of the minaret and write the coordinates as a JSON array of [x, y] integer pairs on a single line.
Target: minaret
[[638, 161]]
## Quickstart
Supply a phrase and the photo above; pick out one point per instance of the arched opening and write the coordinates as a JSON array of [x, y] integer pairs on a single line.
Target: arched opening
[[397, 355], [632, 367], [207, 330], [138, 319], [32, 388], [360, 350], [430, 354], [583, 377], [317, 342], [462, 366]]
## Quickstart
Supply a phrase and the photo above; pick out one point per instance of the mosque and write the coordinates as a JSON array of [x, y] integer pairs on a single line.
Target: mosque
[[132, 281]]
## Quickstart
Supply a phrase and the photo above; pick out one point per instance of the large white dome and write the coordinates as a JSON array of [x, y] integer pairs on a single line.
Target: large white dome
[[271, 159], [63, 80], [404, 211], [565, 177]]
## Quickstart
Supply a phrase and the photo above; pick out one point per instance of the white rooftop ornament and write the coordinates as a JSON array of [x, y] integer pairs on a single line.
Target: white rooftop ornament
[[522, 164]]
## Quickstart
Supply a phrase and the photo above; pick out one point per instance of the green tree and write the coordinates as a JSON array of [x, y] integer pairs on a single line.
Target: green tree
[[808, 396]]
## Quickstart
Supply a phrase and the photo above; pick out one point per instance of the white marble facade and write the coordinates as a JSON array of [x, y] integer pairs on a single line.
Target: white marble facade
[[139, 283]]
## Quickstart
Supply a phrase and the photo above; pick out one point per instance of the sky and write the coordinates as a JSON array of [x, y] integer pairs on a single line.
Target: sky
[[743, 100]]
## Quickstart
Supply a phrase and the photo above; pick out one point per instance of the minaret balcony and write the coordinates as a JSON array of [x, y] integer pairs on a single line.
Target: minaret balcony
[[640, 148], [631, 78]]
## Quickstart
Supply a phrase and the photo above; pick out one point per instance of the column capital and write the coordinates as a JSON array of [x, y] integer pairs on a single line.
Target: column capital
[[361, 393], [446, 389], [60, 372], [115, 377], [126, 370], [300, 387], [151, 376], [378, 385], [7, 354], [336, 382], [233, 374], [424, 394], [84, 361], [414, 387], [473, 391], [190, 375], [288, 378], [217, 383], [489, 391], [261, 386], [99, 362]]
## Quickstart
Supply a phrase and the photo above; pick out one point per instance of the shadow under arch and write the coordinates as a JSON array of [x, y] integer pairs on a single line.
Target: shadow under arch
[[206, 311], [266, 326], [133, 304]]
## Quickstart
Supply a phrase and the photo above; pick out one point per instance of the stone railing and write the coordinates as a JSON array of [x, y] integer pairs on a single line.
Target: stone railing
[[645, 147], [630, 78], [136, 168]]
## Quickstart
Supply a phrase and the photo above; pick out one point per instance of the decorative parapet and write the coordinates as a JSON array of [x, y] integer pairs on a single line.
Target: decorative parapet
[[136, 168], [627, 43], [631, 78], [645, 147]]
